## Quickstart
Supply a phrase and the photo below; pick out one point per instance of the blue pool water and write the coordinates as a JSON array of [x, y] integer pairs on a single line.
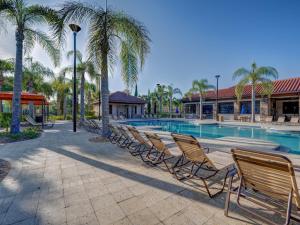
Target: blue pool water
[[289, 141]]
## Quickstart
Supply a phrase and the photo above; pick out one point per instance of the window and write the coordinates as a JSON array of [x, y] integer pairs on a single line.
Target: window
[[110, 109], [290, 108], [190, 108], [135, 109], [226, 108], [246, 107]]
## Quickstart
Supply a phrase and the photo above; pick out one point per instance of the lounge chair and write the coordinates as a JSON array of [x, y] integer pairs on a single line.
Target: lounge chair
[[268, 119], [144, 146], [115, 136], [33, 123], [128, 139], [163, 153], [280, 120], [294, 120], [121, 117], [267, 180], [213, 163]]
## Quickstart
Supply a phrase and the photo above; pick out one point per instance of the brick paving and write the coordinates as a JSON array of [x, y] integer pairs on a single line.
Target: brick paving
[[63, 178]]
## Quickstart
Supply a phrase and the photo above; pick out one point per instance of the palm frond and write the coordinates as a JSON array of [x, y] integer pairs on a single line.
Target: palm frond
[[79, 56], [240, 72], [33, 36], [129, 64], [267, 71]]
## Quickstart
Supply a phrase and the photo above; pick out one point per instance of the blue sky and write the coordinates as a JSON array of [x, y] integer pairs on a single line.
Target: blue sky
[[196, 39]]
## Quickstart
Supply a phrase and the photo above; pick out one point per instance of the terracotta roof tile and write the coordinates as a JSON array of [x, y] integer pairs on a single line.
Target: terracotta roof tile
[[287, 86]]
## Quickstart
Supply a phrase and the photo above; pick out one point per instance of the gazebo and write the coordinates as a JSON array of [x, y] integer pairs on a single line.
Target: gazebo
[[27, 98]]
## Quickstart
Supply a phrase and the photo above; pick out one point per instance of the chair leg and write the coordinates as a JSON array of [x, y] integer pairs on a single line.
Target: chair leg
[[289, 208], [227, 201]]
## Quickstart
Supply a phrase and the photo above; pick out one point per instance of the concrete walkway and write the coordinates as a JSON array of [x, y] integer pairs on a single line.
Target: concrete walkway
[[63, 178]]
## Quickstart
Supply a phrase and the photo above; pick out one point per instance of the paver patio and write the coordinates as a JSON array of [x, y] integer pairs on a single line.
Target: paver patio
[[63, 178]]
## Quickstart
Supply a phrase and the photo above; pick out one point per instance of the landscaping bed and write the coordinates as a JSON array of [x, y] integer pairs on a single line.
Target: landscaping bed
[[25, 134]]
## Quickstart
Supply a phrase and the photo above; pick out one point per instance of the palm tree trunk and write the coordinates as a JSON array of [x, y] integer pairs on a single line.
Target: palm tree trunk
[[82, 110], [1, 85], [253, 104], [200, 109], [31, 106], [65, 107], [104, 94], [170, 106], [16, 102]]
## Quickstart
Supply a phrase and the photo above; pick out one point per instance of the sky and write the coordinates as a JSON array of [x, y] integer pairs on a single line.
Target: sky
[[195, 39]]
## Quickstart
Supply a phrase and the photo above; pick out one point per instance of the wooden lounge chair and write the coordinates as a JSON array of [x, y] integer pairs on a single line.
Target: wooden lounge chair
[[280, 120], [33, 123], [144, 146], [115, 136], [267, 180], [213, 163], [163, 153], [294, 120]]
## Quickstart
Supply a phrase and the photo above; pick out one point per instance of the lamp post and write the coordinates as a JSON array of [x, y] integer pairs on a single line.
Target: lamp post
[[158, 85], [99, 113], [217, 99], [75, 28]]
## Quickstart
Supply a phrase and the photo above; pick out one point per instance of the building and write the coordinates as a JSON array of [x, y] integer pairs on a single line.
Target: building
[[123, 104], [284, 101]]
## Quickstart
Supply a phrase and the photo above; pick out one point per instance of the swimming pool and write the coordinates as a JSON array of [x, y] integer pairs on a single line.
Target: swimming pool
[[289, 141]]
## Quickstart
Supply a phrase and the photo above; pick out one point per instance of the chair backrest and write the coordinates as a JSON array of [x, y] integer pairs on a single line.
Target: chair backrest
[[267, 173], [157, 143], [136, 134], [281, 119], [30, 120], [269, 118], [191, 149], [113, 129], [123, 131], [294, 119]]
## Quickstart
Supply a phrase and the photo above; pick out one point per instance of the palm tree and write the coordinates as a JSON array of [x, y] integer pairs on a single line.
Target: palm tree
[[6, 66], [34, 74], [200, 87], [161, 94], [171, 92], [108, 30], [83, 67], [62, 86], [254, 76], [24, 18]]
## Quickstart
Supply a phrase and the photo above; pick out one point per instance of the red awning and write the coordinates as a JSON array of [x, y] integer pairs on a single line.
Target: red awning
[[26, 98]]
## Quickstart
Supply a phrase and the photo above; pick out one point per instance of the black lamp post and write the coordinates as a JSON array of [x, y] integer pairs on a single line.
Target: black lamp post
[[99, 105], [158, 85], [217, 99], [75, 28]]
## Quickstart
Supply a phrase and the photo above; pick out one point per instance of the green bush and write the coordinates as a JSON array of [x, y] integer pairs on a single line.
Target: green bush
[[5, 120], [60, 117], [27, 133]]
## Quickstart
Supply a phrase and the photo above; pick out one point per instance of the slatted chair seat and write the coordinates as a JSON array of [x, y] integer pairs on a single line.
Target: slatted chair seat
[[270, 175], [214, 162]]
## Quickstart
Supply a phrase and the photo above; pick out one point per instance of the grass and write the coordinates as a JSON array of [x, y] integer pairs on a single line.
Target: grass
[[26, 134]]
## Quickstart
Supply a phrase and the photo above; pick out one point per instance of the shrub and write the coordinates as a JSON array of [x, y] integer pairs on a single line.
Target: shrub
[[5, 120]]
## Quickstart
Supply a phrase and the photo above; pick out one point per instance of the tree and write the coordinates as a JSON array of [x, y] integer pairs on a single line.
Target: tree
[[83, 67], [6, 66], [62, 87], [136, 91], [34, 74], [24, 18], [160, 93], [200, 87], [109, 31], [171, 92], [254, 76]]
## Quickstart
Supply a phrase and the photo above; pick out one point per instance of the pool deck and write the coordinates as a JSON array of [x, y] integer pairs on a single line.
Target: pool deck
[[65, 178]]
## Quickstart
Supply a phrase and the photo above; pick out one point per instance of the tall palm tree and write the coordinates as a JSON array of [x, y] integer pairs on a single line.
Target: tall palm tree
[[6, 66], [254, 76], [83, 68], [34, 74], [200, 87], [161, 94], [24, 18], [107, 31], [171, 92], [62, 86]]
